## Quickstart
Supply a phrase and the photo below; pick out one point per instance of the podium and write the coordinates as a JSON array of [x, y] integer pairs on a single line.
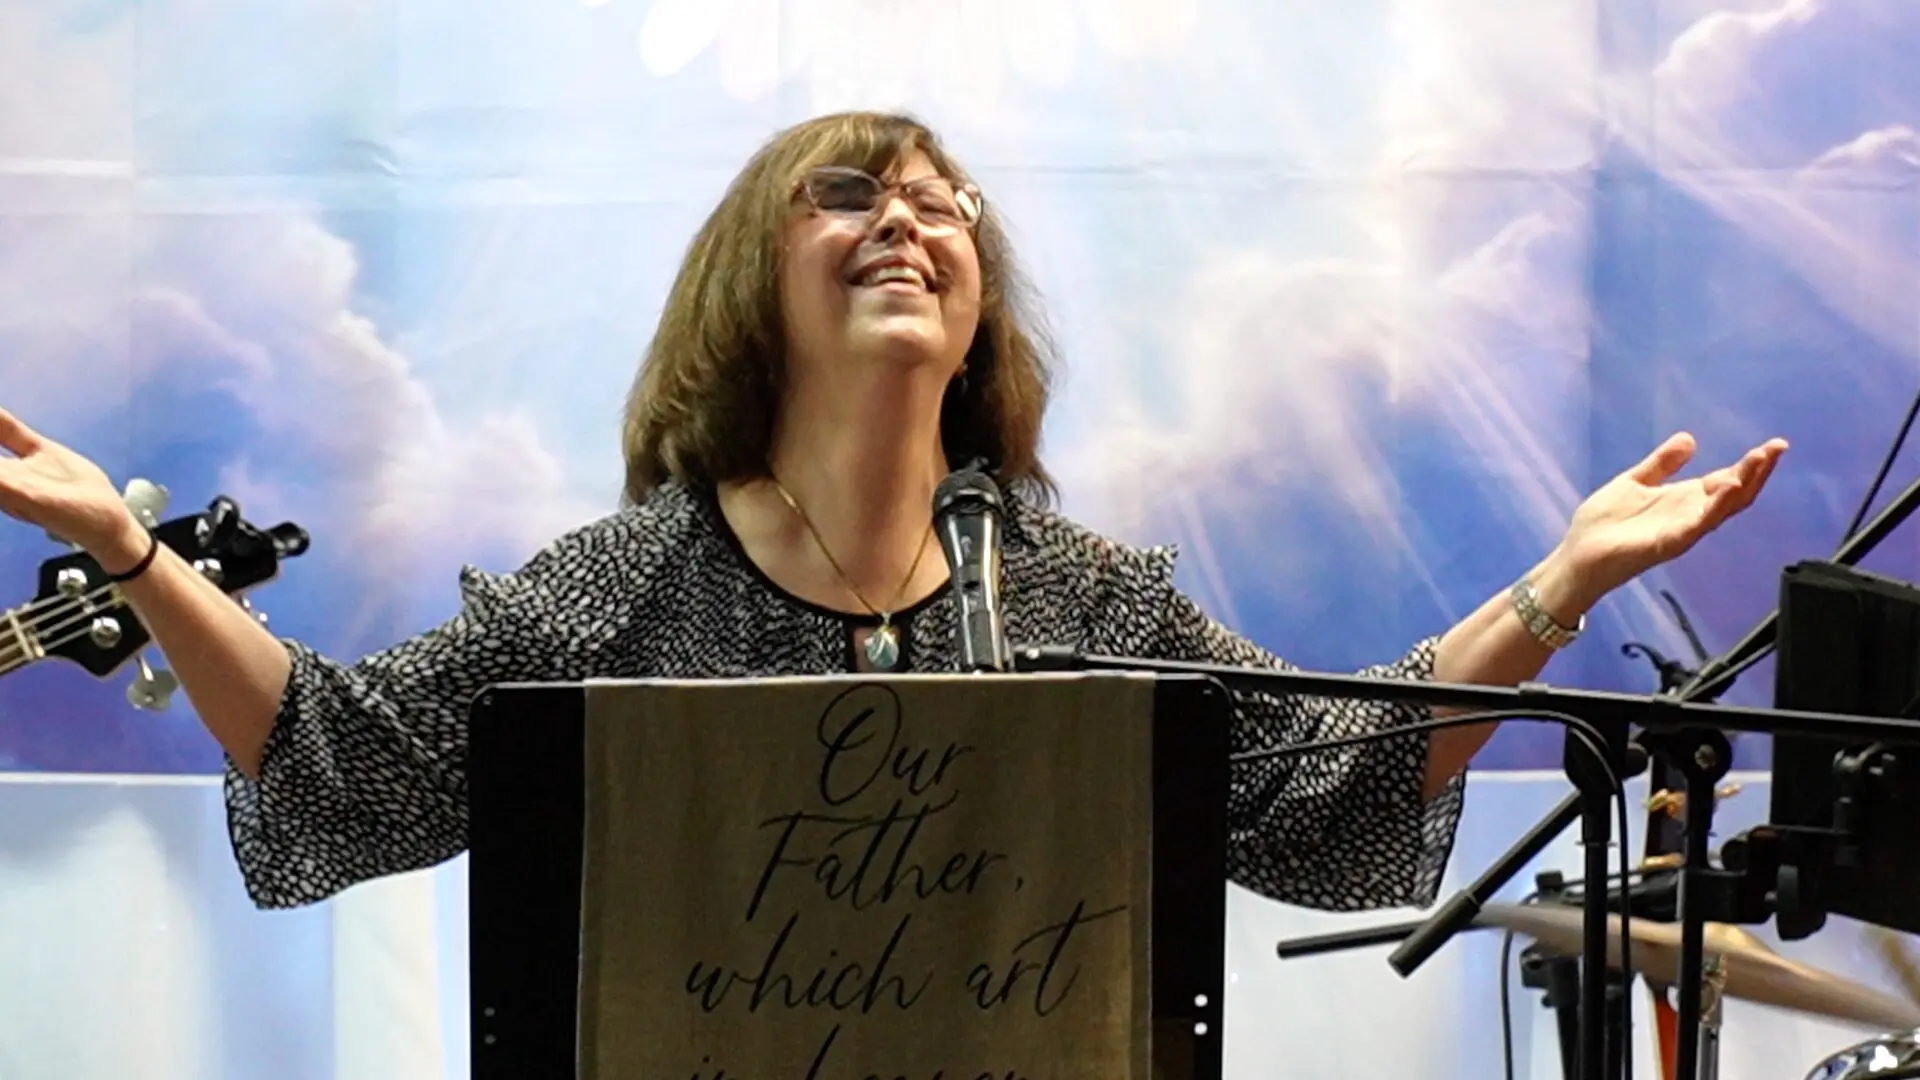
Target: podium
[[842, 876]]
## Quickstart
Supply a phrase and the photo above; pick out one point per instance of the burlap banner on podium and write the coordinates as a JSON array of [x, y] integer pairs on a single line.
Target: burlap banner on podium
[[816, 879]]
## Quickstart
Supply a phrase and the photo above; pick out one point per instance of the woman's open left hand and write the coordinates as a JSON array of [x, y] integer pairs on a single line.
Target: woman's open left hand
[[1643, 517]]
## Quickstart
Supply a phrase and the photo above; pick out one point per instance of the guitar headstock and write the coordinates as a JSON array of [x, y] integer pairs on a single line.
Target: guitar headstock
[[79, 616]]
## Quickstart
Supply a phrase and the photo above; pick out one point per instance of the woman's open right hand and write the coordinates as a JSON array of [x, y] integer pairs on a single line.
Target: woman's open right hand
[[46, 484]]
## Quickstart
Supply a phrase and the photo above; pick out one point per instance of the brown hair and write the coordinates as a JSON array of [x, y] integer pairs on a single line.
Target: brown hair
[[703, 404]]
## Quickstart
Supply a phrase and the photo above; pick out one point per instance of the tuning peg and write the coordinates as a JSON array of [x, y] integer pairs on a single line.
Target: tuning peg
[[147, 500], [289, 540], [219, 523], [152, 689]]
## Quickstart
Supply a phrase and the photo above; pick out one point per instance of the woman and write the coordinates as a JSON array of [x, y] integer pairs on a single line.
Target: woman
[[846, 327]]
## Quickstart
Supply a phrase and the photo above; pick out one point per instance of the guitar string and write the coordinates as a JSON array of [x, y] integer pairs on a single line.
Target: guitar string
[[49, 601], [51, 629], [14, 662], [52, 625], [50, 621]]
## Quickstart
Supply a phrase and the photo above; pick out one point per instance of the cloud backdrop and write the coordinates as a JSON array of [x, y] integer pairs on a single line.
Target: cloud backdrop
[[1358, 301]]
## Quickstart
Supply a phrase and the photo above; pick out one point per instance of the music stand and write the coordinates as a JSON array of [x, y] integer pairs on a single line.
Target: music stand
[[1849, 641], [526, 791]]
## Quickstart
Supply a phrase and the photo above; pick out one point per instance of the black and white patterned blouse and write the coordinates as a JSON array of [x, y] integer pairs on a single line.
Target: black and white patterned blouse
[[364, 772]]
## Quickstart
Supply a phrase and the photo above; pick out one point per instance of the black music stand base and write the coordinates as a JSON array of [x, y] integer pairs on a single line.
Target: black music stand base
[[1558, 980]]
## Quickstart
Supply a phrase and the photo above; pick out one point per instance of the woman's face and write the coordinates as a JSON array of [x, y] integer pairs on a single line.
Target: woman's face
[[881, 270]]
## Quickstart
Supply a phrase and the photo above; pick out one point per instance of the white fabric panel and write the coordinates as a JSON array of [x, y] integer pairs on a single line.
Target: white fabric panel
[[387, 981]]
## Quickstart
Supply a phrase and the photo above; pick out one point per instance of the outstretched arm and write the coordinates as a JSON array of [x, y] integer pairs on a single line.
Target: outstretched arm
[[1637, 521], [233, 670]]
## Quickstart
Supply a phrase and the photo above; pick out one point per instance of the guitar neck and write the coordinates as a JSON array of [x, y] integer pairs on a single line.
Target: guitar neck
[[81, 616], [20, 643]]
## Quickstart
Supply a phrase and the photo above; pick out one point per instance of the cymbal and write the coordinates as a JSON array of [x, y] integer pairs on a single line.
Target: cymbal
[[1752, 972]]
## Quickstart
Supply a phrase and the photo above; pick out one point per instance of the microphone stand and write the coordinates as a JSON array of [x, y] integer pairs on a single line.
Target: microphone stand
[[1701, 762], [1716, 676], [1672, 727]]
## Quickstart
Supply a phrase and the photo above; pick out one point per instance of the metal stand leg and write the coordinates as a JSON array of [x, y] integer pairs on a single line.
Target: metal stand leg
[[1558, 980], [1702, 756], [1714, 970]]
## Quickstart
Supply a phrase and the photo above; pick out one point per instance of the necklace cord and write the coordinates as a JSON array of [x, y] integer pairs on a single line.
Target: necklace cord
[[885, 617]]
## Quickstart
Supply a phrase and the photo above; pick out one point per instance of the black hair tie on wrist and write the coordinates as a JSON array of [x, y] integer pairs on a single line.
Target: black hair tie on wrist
[[153, 549]]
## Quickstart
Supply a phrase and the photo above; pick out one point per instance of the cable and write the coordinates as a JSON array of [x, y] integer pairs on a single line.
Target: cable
[[1720, 682], [1718, 685], [1506, 1000], [1582, 729], [1594, 741], [1506, 969], [1886, 466], [1625, 878], [1506, 991], [1626, 947]]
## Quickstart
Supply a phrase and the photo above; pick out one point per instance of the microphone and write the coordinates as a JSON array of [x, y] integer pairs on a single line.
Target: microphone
[[967, 514]]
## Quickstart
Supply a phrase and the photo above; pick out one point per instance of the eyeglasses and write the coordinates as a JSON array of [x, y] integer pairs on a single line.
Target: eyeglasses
[[939, 203]]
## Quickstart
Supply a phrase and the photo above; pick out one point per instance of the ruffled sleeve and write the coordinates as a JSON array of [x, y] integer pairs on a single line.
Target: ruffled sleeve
[[364, 772], [1343, 830]]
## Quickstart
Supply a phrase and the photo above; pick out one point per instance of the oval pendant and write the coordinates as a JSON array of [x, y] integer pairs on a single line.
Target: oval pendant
[[883, 647]]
